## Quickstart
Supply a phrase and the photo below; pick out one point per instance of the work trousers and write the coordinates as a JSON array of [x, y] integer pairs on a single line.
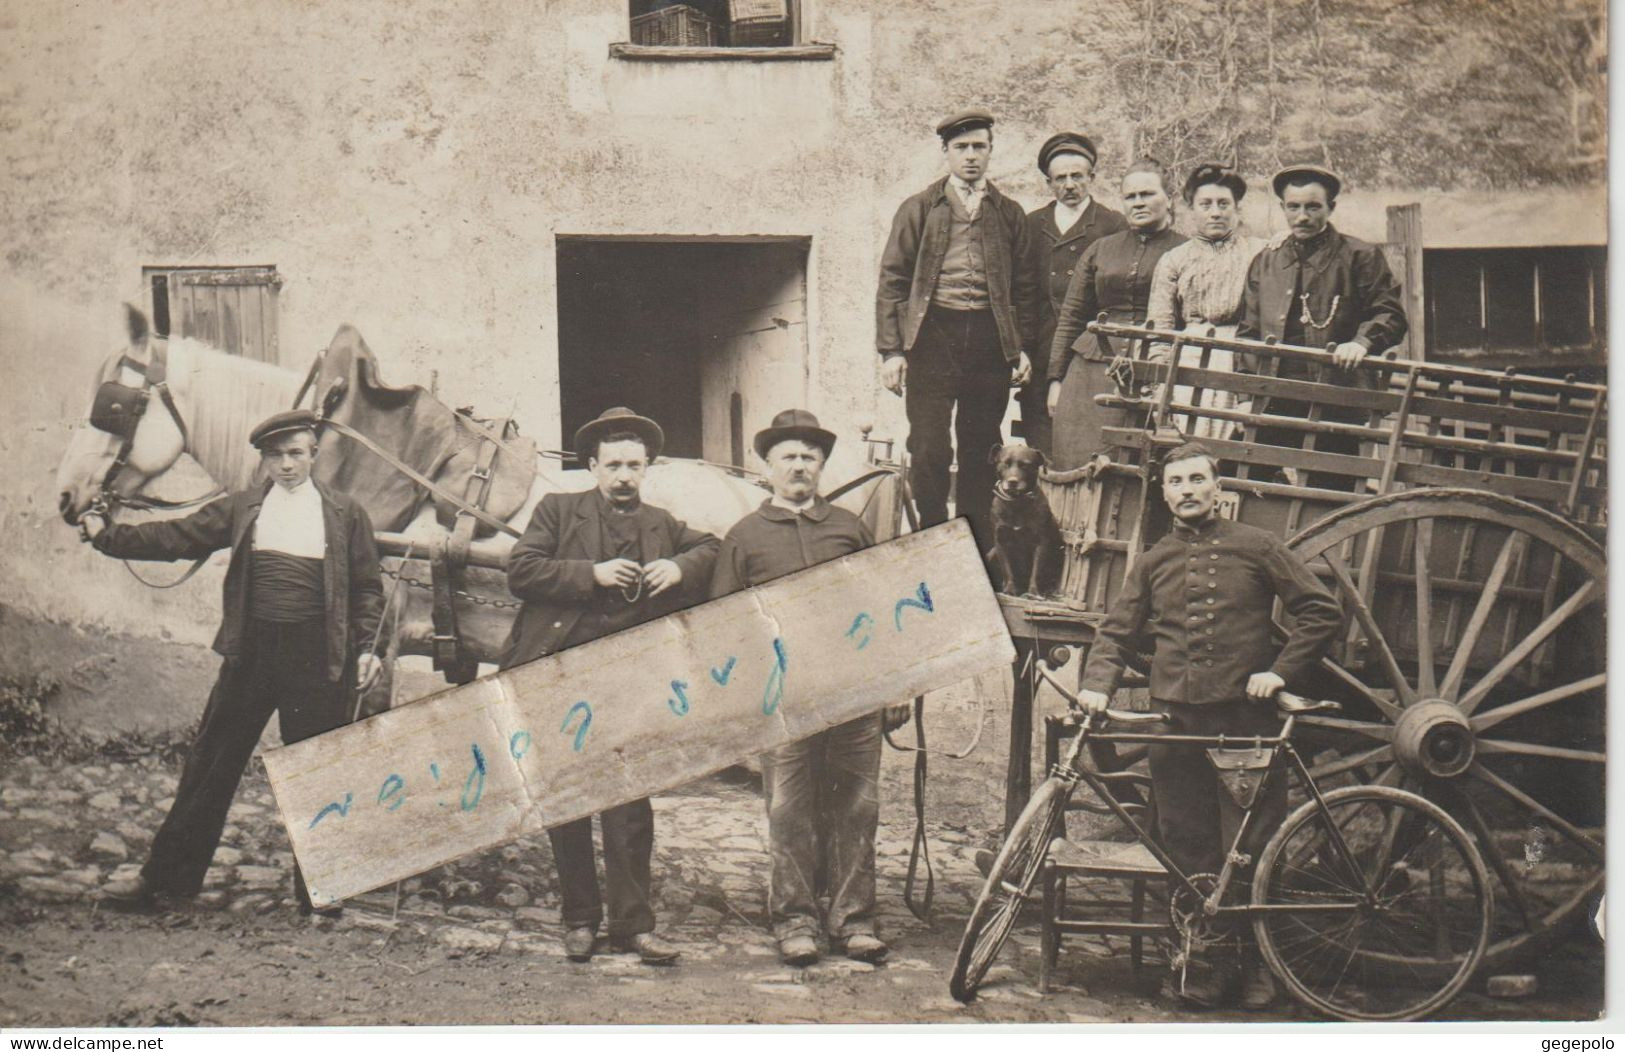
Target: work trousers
[[629, 838], [823, 806], [1196, 817], [958, 381], [283, 669]]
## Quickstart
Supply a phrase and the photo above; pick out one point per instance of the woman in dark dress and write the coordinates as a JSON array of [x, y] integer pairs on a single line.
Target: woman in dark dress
[[1113, 275]]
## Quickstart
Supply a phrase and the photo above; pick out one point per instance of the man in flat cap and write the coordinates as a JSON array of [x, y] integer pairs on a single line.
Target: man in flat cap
[[1319, 286], [1059, 232], [956, 315], [302, 607], [823, 792], [590, 564]]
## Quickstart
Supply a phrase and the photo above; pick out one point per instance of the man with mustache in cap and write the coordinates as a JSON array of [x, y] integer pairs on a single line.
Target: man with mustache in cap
[[823, 792], [1319, 286], [956, 316], [1060, 231], [302, 606], [590, 564]]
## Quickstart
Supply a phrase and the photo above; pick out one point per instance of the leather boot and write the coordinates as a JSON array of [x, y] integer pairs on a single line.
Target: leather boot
[[1258, 990]]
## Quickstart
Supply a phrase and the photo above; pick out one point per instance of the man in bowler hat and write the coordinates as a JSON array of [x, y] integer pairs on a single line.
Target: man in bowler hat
[[823, 792], [590, 564], [302, 606], [956, 316]]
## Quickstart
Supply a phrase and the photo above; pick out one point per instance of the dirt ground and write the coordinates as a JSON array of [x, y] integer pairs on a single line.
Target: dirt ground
[[479, 941]]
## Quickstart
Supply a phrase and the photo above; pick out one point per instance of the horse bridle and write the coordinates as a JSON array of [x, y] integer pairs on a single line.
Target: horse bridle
[[117, 410]]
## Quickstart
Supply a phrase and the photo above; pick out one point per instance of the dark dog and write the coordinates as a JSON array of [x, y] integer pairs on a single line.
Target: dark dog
[[1026, 538]]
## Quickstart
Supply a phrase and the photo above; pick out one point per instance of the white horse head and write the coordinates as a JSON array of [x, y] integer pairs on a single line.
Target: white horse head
[[198, 400]]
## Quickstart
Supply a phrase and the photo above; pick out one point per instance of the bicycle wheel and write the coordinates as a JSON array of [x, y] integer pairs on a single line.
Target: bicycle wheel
[[1402, 953], [1009, 886]]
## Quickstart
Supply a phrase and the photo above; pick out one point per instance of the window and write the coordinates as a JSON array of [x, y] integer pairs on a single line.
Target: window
[[1516, 303], [754, 29], [233, 308]]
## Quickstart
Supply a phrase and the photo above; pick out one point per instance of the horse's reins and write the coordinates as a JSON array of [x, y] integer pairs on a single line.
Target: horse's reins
[[154, 378]]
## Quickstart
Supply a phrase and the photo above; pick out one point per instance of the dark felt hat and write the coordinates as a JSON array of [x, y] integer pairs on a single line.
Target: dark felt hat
[[1065, 142], [278, 424], [793, 423], [1311, 172], [965, 121], [1215, 175], [609, 422]]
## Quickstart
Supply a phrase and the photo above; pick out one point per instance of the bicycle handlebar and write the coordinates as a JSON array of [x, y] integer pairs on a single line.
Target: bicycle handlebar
[[1286, 703]]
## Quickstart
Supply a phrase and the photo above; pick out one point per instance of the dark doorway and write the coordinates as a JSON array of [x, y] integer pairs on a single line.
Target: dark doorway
[[708, 337]]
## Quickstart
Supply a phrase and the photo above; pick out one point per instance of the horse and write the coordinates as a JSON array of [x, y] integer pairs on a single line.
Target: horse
[[158, 398]]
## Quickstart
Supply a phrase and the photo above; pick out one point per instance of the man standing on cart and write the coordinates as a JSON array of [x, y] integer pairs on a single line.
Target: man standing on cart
[[1200, 599], [1319, 287]]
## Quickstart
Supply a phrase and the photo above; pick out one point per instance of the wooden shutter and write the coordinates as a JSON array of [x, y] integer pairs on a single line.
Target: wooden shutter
[[233, 308]]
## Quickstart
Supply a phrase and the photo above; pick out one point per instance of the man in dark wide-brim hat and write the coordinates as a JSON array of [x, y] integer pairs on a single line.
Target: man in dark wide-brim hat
[[302, 605], [590, 564], [823, 803]]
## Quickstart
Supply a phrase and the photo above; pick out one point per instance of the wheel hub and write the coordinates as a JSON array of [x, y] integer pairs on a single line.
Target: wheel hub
[[1433, 738]]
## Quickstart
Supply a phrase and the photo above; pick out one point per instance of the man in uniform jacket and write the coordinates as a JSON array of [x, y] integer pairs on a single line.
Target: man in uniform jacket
[[1317, 287], [823, 792], [590, 564], [301, 613], [956, 314], [1060, 231], [1200, 600]]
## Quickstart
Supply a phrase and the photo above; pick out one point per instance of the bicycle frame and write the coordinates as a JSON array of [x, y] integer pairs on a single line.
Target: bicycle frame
[[1070, 771]]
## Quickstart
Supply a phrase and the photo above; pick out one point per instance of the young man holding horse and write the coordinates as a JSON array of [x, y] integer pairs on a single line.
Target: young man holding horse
[[590, 564], [302, 603]]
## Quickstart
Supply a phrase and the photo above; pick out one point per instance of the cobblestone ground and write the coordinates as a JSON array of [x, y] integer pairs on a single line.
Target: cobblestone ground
[[479, 941]]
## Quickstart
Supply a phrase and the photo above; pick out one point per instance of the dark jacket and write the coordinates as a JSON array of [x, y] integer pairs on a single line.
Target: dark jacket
[[550, 568], [912, 261], [1339, 269], [353, 593], [772, 541], [1200, 600], [1113, 276], [1057, 259]]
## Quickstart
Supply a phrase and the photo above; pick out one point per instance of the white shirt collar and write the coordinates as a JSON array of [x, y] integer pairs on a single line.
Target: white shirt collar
[[965, 189], [1067, 217], [290, 521]]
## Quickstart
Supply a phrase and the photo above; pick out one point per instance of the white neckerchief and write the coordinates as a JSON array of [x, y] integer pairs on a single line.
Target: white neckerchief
[[290, 521], [970, 193], [1066, 218]]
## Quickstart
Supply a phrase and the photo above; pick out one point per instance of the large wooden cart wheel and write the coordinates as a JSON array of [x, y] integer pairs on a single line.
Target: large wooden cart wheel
[[1473, 669]]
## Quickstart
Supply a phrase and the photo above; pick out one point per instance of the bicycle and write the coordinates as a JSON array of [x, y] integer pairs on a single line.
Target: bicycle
[[1369, 903]]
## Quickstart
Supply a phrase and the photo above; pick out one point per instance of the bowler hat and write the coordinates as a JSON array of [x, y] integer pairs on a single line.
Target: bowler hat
[[1313, 173], [965, 121], [1065, 142], [609, 422], [797, 424], [278, 424]]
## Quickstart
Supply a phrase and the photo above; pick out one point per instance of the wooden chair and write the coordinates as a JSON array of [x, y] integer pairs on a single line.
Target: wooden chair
[[1126, 862]]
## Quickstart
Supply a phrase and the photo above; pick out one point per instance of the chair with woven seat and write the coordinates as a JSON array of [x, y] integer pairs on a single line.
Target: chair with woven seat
[[1128, 862]]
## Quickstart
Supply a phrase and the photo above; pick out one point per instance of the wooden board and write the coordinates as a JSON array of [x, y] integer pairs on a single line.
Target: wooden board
[[635, 713]]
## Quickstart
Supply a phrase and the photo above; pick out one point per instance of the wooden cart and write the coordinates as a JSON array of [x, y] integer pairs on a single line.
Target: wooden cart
[[1461, 525]]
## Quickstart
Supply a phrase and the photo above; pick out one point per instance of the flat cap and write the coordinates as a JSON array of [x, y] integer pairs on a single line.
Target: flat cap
[[1313, 173], [968, 120], [279, 424], [1065, 142]]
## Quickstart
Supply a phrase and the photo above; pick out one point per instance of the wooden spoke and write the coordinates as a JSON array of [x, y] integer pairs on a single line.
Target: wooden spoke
[[1426, 683], [1481, 615], [1473, 698], [1481, 829], [1572, 831], [1484, 721], [1388, 708], [1496, 745], [1383, 732], [1362, 612], [1348, 763]]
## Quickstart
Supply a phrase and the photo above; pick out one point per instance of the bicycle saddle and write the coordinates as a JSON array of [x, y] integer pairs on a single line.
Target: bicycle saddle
[[1297, 705]]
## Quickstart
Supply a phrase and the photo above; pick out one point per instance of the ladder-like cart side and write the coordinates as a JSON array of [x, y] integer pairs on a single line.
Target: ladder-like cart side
[[1464, 540]]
